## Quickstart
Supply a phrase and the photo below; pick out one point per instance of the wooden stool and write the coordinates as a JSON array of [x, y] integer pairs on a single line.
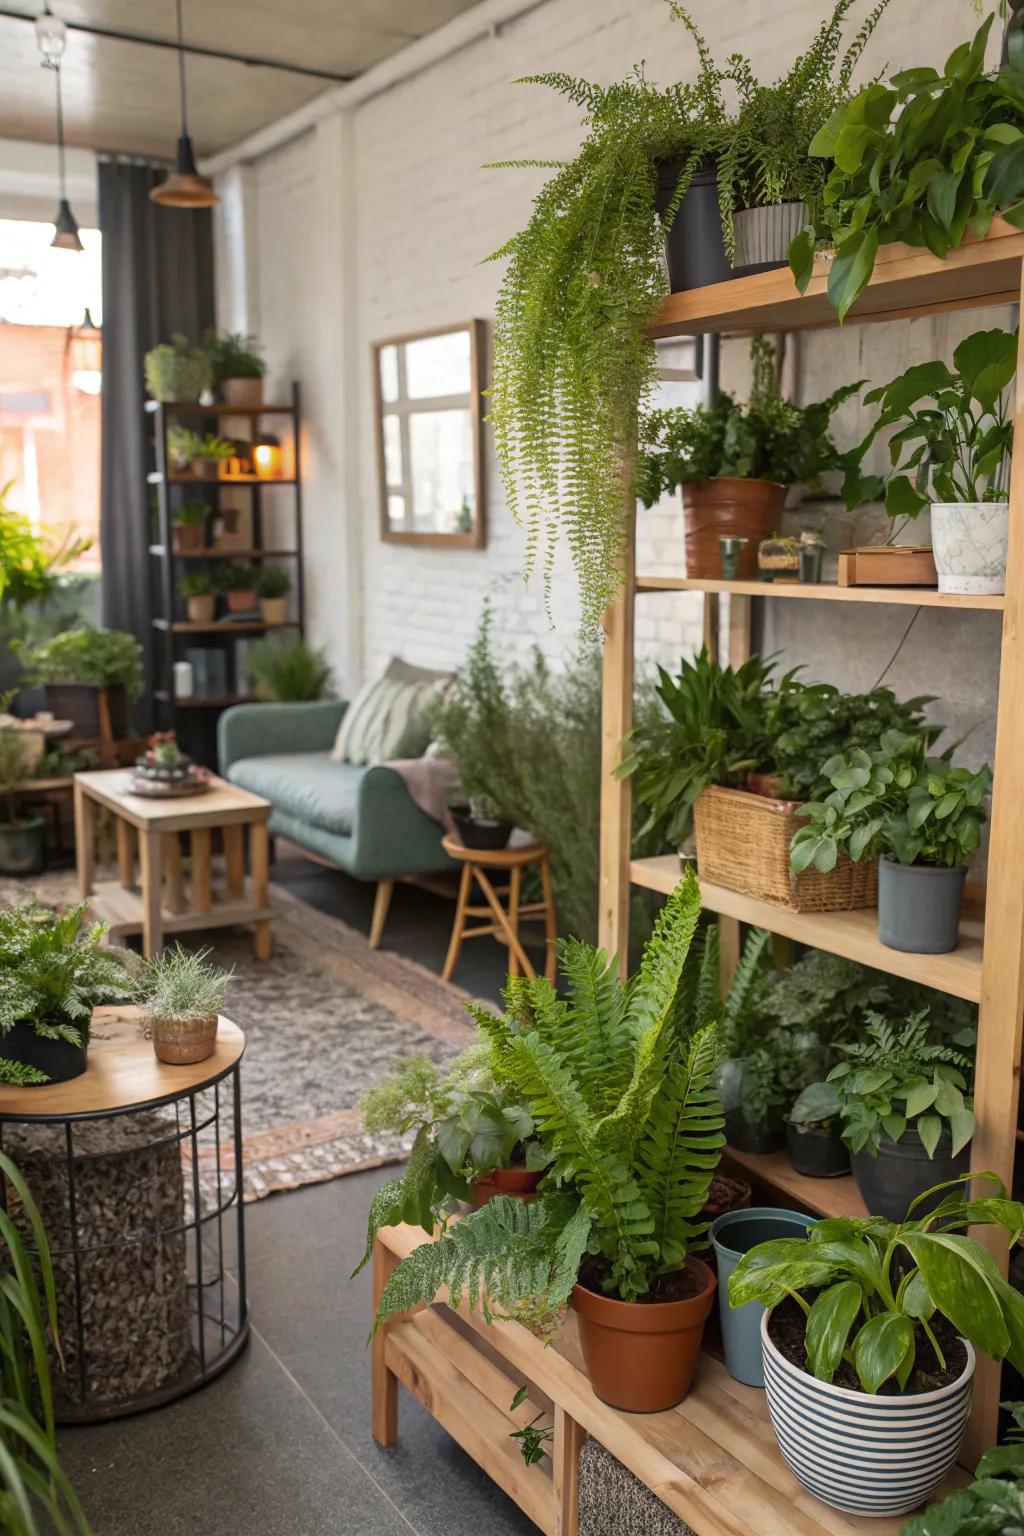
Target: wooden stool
[[501, 923]]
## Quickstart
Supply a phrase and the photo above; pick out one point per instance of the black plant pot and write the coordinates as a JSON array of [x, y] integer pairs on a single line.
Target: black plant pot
[[476, 833], [80, 703], [759, 1139], [816, 1151], [919, 906], [59, 1060], [694, 248], [903, 1170], [23, 847]]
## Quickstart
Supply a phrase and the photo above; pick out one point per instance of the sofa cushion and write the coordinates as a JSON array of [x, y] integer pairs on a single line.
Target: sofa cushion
[[310, 786], [385, 720]]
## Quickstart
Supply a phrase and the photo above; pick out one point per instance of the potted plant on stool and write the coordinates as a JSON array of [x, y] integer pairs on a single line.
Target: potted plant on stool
[[869, 1340], [22, 835], [182, 997]]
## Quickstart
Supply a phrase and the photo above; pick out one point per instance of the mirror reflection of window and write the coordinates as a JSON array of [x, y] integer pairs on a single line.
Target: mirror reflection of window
[[429, 436]]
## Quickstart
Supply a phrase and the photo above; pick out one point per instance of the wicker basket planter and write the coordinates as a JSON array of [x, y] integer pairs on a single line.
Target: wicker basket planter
[[743, 844]]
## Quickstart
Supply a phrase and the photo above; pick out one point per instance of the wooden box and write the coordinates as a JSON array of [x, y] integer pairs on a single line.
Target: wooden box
[[888, 565]]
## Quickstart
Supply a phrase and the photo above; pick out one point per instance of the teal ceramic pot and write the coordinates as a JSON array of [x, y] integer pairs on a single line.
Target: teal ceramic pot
[[733, 1235]]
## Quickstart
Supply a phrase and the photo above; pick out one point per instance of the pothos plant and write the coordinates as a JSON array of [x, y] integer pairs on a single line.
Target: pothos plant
[[875, 1286], [622, 1093], [993, 1505]]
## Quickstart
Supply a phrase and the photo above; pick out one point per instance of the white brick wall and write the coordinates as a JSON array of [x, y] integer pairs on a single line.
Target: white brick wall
[[416, 220]]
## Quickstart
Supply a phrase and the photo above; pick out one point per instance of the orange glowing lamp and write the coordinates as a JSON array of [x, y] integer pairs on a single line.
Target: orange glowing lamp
[[267, 457]]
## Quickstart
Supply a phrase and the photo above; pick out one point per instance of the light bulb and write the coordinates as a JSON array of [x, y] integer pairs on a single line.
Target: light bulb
[[51, 39]]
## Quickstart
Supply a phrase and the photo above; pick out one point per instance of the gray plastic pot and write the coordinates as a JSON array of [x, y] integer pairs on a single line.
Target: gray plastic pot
[[733, 1235], [764, 235], [919, 906]]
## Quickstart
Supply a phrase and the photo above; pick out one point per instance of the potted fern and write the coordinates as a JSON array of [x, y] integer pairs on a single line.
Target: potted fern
[[87, 672], [288, 671], [621, 1091], [200, 593], [273, 584], [182, 997], [237, 368]]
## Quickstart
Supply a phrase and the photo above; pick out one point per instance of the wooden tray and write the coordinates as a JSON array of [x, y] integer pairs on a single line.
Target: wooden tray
[[888, 565]]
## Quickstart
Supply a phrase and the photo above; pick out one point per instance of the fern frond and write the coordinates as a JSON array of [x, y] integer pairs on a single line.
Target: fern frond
[[20, 1075], [708, 1007], [409, 1198], [747, 980], [597, 1020]]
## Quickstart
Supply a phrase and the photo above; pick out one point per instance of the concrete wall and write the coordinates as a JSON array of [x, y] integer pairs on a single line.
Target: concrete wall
[[376, 222]]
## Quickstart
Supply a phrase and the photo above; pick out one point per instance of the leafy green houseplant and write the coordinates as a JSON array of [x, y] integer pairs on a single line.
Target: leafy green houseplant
[[288, 671], [188, 525], [22, 833], [182, 996], [51, 977], [950, 450], [177, 371], [867, 1314], [199, 590], [30, 566], [621, 1092], [78, 664], [237, 367], [273, 583], [237, 580], [993, 1505], [926, 159]]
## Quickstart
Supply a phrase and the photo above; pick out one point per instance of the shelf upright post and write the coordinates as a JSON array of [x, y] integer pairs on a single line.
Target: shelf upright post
[[616, 721], [163, 640], [300, 572]]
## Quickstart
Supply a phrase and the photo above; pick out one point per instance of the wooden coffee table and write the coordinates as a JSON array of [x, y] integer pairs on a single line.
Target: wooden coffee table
[[160, 902]]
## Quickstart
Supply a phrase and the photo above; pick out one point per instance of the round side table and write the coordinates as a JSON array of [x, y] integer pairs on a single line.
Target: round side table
[[501, 922], [136, 1167]]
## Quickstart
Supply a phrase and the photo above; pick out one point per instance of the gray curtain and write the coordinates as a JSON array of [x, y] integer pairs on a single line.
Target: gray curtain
[[157, 279]]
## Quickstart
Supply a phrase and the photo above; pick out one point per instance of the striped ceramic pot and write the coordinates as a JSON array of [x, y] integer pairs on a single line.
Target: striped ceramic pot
[[865, 1455]]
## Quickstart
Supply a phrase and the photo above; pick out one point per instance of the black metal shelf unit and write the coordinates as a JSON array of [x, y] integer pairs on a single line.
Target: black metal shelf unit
[[195, 718]]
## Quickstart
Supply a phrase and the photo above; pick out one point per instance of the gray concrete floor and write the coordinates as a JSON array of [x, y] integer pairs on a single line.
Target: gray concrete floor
[[281, 1444]]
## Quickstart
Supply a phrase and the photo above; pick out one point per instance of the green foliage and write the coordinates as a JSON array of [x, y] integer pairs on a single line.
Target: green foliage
[[879, 1284], [32, 1482], [533, 1442], [52, 975], [927, 159], [12, 768], [176, 370], [213, 448], [288, 671], [768, 439], [193, 512], [179, 985], [197, 584], [273, 581], [235, 576], [993, 1505], [233, 356], [895, 1077], [623, 1098], [30, 567], [956, 436], [101, 657], [896, 800]]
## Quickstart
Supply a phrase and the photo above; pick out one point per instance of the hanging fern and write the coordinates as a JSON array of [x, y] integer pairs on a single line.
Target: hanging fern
[[622, 1094]]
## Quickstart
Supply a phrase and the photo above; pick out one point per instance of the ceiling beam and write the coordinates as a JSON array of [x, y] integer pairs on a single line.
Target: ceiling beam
[[115, 35]]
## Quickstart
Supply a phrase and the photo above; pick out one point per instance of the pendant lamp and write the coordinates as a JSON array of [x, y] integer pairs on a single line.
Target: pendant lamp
[[51, 36], [184, 187]]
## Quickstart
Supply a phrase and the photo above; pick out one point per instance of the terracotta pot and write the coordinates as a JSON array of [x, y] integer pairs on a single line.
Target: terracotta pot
[[241, 602], [201, 609], [183, 1041], [187, 537], [767, 784], [641, 1356], [247, 393], [205, 469], [274, 610], [747, 509], [517, 1183]]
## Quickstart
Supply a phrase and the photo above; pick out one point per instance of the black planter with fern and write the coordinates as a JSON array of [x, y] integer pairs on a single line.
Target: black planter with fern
[[481, 832], [56, 1060], [694, 243]]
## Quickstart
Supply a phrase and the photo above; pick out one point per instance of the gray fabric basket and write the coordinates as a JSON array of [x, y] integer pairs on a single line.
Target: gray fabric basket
[[615, 1503]]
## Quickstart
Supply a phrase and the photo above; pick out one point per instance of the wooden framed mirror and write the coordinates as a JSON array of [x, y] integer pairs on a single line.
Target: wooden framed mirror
[[427, 389]]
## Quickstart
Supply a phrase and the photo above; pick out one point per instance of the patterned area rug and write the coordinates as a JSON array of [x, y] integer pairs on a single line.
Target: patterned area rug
[[325, 1018]]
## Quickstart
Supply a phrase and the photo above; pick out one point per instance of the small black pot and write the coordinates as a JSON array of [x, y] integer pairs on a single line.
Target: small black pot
[[694, 248], [759, 1139], [817, 1151], [59, 1060], [80, 703], [23, 846], [919, 906], [903, 1170], [474, 833]]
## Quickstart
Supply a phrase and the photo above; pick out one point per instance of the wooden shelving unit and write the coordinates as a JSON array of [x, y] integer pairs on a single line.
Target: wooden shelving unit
[[988, 966]]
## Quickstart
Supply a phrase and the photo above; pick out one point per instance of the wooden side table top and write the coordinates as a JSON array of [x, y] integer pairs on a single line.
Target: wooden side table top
[[494, 858], [123, 1073], [220, 806]]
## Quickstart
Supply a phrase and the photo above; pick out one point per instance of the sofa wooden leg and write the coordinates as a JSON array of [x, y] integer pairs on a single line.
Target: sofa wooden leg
[[381, 903]]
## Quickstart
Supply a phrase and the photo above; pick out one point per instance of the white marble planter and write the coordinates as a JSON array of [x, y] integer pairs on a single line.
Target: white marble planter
[[969, 541]]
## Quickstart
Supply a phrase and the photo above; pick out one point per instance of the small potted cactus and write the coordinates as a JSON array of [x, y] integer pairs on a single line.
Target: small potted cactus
[[182, 997]]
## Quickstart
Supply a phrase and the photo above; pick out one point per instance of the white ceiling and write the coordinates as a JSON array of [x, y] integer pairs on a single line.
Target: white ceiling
[[123, 96]]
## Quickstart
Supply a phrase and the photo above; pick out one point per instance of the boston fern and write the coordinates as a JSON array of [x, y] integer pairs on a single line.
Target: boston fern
[[623, 1096]]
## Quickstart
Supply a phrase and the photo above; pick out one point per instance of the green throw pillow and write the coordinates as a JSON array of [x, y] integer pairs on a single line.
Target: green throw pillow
[[384, 721]]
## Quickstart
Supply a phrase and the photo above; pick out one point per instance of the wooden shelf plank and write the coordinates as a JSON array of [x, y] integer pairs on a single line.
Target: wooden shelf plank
[[193, 408], [851, 934], [123, 910], [224, 554], [223, 627], [823, 592], [826, 1197], [905, 282]]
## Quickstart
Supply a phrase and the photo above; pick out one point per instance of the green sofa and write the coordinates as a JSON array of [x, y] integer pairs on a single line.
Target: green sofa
[[360, 820]]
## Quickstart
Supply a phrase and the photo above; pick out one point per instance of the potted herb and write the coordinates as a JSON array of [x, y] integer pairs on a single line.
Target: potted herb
[[200, 594], [188, 527], [273, 584], [177, 372], [950, 449], [288, 671], [906, 1111], [735, 463], [613, 1079], [237, 581], [926, 159], [208, 454], [993, 1505], [51, 977], [874, 1326], [86, 672], [237, 368], [182, 997], [922, 814], [22, 833]]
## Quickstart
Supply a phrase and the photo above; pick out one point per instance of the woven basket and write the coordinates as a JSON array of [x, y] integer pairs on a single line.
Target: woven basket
[[743, 844]]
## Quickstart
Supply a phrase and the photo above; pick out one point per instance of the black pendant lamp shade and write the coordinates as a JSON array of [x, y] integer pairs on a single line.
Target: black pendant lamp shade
[[184, 187], [65, 229], [50, 36]]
